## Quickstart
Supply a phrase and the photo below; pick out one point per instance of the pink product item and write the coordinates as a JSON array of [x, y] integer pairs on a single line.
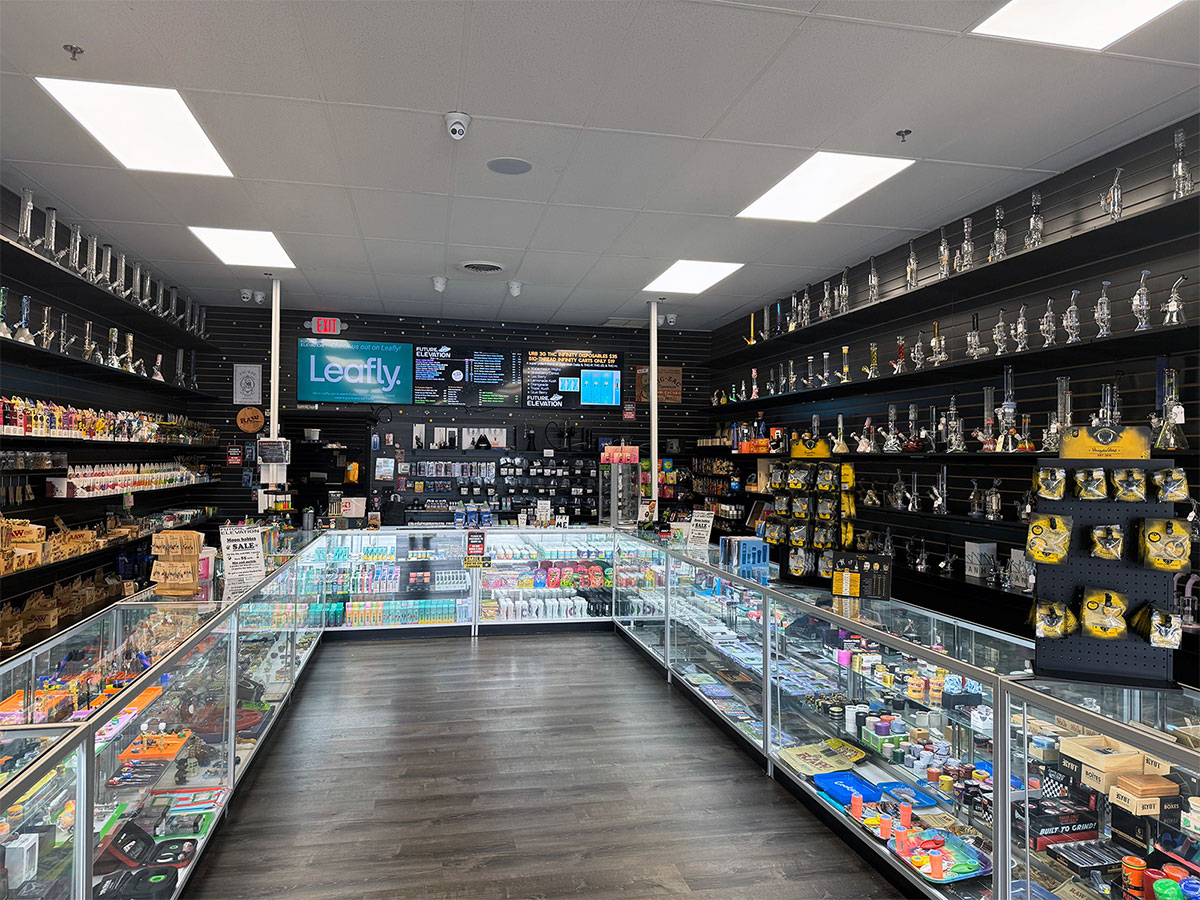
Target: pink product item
[[119, 721]]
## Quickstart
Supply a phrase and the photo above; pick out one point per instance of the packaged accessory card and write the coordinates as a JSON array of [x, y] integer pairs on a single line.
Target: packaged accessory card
[[1048, 540]]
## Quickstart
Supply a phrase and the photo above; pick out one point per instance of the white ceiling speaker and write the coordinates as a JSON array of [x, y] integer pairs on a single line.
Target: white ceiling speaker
[[481, 267], [514, 288], [439, 283], [457, 124]]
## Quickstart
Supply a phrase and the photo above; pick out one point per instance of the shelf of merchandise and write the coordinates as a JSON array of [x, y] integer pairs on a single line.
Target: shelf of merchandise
[[141, 490], [16, 352], [1157, 341], [50, 439], [1135, 229], [30, 268]]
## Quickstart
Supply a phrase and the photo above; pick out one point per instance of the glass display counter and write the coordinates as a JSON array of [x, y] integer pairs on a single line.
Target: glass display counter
[[640, 594], [546, 576]]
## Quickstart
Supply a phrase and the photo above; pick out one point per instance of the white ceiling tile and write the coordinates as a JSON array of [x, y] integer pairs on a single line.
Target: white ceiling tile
[[39, 129], [624, 272], [457, 253], [612, 168], [723, 178], [158, 241], [484, 292], [497, 223], [102, 193], [392, 149], [795, 6], [580, 228], [573, 315], [116, 48], [717, 238], [324, 251], [341, 283], [253, 48], [1171, 36], [951, 15], [15, 180], [904, 200], [550, 267], [385, 53], [538, 295], [941, 213], [757, 280], [546, 147], [306, 208], [399, 216], [541, 60], [213, 275], [848, 65], [200, 201], [406, 258], [817, 245], [471, 312], [670, 47], [266, 137], [600, 298], [411, 290], [321, 303]]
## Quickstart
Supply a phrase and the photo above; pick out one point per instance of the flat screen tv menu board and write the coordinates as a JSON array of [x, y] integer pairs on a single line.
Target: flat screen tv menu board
[[329, 370], [454, 375], [570, 379]]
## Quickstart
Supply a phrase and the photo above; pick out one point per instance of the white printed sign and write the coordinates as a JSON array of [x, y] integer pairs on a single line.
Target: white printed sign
[[702, 523], [242, 551]]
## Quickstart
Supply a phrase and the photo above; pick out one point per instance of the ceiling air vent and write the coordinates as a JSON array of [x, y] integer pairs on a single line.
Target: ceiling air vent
[[481, 267]]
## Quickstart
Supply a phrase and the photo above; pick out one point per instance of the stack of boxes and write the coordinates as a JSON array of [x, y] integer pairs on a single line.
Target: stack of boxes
[[176, 570]]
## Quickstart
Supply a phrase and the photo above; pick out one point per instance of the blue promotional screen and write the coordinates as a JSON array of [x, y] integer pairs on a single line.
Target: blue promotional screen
[[601, 387], [334, 371]]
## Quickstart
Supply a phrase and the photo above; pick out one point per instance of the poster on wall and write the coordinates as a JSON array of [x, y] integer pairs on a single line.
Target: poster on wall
[[456, 375], [329, 370], [670, 384], [570, 379], [247, 385]]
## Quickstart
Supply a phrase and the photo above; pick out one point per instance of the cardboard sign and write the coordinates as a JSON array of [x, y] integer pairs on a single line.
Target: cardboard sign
[[247, 384], [250, 419], [670, 384], [242, 550], [543, 512], [645, 510], [701, 531]]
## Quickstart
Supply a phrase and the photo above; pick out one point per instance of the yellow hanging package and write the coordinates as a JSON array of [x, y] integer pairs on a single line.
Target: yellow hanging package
[[1103, 613], [1108, 541], [1129, 484], [1165, 544], [1172, 485], [1053, 620], [1050, 483], [1090, 484], [1048, 539]]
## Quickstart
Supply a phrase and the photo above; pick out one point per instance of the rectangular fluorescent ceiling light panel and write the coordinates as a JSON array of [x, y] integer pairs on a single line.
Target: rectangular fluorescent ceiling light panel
[[1089, 24], [691, 276], [145, 128], [822, 184], [237, 247]]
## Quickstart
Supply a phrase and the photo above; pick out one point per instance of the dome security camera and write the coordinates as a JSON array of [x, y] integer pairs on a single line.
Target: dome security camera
[[439, 283], [672, 318], [457, 124], [245, 293]]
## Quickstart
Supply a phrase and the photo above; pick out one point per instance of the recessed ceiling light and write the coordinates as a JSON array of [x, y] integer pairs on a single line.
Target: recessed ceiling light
[[691, 276], [238, 247], [509, 165], [145, 128], [1090, 24], [821, 184]]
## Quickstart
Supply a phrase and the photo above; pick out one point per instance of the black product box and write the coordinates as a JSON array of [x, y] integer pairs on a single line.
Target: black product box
[[1169, 809], [1070, 767], [1052, 818], [1098, 856], [1189, 784], [951, 700], [1135, 831]]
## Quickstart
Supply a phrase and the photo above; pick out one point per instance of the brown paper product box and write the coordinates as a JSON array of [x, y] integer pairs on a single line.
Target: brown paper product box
[[1102, 753]]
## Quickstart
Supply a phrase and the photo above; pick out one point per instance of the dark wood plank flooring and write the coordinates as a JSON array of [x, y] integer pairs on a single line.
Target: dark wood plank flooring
[[512, 767]]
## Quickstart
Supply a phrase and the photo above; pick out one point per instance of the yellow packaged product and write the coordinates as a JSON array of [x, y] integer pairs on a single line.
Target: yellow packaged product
[[1165, 544], [1129, 484], [1108, 541], [1090, 484], [1048, 539], [1050, 482], [1172, 485]]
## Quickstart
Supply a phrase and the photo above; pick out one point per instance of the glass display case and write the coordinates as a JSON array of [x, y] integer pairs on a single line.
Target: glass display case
[[547, 576], [640, 593]]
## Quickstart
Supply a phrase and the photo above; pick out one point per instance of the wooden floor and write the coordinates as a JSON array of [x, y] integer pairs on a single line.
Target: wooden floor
[[512, 767]]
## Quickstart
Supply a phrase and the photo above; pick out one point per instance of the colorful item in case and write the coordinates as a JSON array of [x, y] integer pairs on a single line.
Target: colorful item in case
[[1133, 873], [959, 860], [908, 795], [840, 785]]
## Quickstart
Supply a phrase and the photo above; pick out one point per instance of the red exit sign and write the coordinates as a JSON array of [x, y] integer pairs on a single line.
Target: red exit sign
[[325, 325]]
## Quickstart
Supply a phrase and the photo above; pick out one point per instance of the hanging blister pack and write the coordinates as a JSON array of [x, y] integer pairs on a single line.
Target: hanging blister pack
[[1129, 484], [1050, 483], [1053, 620], [1108, 541], [1165, 544], [1049, 539], [1172, 485], [1103, 613], [1090, 484]]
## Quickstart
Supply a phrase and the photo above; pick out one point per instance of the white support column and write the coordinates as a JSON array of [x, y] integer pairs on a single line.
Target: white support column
[[274, 357], [654, 405]]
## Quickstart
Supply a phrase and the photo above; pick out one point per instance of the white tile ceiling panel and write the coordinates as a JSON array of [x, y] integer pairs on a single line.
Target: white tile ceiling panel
[[195, 200], [325, 304], [1172, 36], [471, 312], [668, 80], [948, 15], [385, 53], [1042, 87], [325, 251], [173, 242], [619, 169], [717, 238], [457, 253], [406, 257], [495, 223], [266, 137], [546, 147], [984, 198], [467, 290], [410, 308], [817, 245], [794, 6], [569, 314], [117, 49], [188, 275], [541, 60], [580, 228], [339, 282], [399, 216], [630, 273], [904, 200], [828, 71], [229, 45], [757, 280], [550, 267], [409, 289], [307, 208], [37, 128], [722, 178], [600, 299], [392, 149], [102, 193], [12, 178]]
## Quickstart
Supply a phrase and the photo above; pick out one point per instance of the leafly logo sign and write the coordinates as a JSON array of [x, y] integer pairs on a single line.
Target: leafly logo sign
[[336, 371]]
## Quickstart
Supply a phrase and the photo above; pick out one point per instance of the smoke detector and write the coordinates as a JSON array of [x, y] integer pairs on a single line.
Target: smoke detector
[[481, 267]]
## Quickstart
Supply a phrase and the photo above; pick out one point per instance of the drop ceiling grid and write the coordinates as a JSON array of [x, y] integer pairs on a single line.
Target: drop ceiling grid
[[583, 101]]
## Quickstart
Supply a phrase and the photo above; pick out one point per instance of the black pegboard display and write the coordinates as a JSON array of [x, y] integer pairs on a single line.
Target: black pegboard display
[[1078, 657]]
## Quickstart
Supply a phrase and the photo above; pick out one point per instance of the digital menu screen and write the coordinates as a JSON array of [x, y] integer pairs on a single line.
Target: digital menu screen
[[569, 379], [448, 375]]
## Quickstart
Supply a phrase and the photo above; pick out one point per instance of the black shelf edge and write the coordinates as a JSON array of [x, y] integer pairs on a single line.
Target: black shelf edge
[[26, 266], [1175, 217], [16, 352], [1155, 341]]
